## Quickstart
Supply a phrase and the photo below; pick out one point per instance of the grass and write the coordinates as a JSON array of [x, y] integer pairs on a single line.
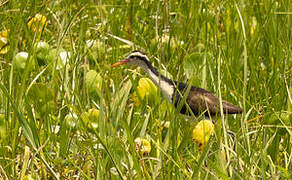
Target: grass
[[241, 51]]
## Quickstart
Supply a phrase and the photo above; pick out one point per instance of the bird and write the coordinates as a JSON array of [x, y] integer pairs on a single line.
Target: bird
[[186, 98]]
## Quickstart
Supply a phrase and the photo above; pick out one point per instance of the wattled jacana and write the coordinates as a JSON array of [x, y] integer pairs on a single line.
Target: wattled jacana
[[197, 100]]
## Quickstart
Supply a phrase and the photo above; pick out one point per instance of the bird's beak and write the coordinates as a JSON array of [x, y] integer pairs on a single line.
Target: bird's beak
[[121, 62]]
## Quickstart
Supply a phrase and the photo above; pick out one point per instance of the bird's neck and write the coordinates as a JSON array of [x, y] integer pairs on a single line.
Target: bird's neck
[[165, 84]]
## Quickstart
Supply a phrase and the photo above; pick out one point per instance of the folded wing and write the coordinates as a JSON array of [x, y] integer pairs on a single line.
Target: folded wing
[[203, 101]]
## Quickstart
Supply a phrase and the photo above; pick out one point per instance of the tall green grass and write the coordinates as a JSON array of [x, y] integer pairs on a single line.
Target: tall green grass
[[241, 51]]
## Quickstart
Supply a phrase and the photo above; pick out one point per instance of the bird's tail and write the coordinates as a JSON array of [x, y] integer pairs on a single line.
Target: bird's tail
[[229, 108]]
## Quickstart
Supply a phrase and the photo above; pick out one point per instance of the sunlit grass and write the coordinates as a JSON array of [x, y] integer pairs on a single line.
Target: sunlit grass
[[239, 51]]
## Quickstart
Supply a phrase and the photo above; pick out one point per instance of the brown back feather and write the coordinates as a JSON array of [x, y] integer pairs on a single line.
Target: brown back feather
[[201, 100]]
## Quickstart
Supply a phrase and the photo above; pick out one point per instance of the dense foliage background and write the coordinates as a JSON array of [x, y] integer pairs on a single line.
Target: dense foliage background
[[65, 113]]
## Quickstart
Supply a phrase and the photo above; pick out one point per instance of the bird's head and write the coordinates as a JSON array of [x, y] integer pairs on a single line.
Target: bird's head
[[136, 57]]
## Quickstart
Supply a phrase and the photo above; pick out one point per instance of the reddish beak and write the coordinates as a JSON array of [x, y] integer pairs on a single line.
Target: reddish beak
[[121, 62]]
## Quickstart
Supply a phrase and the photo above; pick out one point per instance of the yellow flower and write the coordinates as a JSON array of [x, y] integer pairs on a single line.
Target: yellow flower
[[93, 81], [90, 118], [37, 23], [143, 146], [20, 60], [202, 133], [93, 115], [253, 25], [4, 47], [71, 120], [146, 90]]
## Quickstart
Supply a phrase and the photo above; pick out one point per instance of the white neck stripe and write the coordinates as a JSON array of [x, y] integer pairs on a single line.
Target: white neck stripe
[[166, 88]]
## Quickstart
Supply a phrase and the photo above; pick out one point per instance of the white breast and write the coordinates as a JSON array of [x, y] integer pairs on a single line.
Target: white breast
[[166, 88]]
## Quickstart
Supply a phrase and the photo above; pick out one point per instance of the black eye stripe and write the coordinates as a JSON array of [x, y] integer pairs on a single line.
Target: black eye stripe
[[138, 57]]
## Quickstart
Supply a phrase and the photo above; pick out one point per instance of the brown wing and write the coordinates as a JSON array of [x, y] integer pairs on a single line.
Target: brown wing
[[201, 100]]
